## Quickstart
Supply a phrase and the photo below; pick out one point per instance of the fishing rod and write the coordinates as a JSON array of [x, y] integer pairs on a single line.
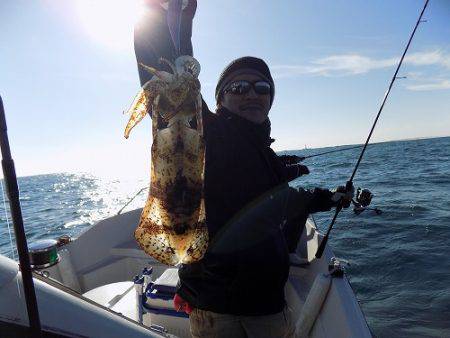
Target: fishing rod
[[349, 183], [331, 151], [294, 159], [12, 191]]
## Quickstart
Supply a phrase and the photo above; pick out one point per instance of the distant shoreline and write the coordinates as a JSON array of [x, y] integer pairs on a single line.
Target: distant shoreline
[[370, 143]]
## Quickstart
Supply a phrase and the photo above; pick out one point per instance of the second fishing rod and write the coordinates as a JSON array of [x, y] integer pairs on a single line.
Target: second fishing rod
[[294, 159], [349, 184]]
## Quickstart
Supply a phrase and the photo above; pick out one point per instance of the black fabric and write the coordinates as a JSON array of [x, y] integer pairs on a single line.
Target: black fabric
[[314, 201], [256, 133], [152, 37], [237, 171], [246, 266], [248, 276], [294, 171], [239, 166]]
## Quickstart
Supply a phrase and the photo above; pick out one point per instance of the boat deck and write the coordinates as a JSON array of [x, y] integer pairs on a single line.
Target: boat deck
[[97, 269]]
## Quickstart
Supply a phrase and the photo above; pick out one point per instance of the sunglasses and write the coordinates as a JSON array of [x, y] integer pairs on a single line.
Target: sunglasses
[[243, 87]]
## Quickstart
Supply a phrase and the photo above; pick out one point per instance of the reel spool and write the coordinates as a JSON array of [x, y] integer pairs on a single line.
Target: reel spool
[[364, 197]]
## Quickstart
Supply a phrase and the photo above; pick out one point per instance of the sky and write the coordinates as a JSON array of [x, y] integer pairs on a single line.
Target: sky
[[68, 71]]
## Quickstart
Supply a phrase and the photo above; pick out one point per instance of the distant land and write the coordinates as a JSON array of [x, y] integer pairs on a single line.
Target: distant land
[[357, 144]]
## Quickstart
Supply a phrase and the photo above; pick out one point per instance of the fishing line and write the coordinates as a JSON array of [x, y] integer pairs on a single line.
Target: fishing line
[[350, 181], [13, 249]]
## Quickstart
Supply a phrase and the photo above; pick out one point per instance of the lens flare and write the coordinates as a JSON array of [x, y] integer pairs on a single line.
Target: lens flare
[[109, 22]]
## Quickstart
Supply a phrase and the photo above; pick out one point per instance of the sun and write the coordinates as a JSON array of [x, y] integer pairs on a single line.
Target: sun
[[109, 22]]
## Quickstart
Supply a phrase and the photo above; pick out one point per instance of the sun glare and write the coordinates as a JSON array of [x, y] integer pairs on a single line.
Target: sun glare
[[110, 22]]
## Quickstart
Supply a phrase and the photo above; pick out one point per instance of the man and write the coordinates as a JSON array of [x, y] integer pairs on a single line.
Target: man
[[237, 289]]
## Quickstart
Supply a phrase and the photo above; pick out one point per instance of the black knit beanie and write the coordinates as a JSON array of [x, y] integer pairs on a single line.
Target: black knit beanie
[[247, 62]]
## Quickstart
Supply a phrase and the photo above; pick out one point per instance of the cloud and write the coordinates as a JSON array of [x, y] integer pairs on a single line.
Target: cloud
[[348, 64], [437, 85], [429, 58], [353, 64]]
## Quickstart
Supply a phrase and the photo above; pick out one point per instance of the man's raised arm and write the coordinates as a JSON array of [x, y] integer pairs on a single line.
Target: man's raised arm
[[152, 38]]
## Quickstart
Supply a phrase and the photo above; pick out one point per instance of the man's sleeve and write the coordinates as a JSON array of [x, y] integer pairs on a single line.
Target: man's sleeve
[[152, 38], [290, 173], [315, 200]]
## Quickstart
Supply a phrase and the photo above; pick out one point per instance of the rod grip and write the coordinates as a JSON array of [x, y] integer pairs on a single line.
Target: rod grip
[[321, 248], [325, 238]]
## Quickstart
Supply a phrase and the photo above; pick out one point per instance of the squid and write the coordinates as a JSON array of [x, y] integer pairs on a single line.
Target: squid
[[172, 226]]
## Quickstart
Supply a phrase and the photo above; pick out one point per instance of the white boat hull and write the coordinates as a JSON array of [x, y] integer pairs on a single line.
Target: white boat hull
[[85, 292]]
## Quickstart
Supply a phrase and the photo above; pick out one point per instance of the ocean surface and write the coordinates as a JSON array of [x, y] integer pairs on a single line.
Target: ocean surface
[[399, 260]]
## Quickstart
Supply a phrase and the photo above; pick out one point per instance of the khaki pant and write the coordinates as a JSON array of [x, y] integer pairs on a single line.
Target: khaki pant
[[206, 324]]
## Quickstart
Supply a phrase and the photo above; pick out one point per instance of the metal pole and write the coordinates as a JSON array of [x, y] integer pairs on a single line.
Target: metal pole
[[12, 192]]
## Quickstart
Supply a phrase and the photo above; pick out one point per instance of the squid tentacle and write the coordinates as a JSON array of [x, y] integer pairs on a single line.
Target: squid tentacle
[[138, 110], [170, 64]]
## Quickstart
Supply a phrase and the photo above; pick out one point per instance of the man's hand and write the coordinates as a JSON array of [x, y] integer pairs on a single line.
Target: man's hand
[[181, 305], [290, 159], [164, 3], [343, 195], [154, 3]]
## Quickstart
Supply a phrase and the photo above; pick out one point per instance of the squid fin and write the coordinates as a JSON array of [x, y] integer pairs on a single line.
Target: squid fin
[[156, 244]]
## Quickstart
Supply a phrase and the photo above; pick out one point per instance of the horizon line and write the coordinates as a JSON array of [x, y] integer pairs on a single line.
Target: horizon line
[[280, 151]]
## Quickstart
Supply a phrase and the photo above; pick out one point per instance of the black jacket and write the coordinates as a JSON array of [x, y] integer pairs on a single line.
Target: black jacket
[[249, 206], [250, 210]]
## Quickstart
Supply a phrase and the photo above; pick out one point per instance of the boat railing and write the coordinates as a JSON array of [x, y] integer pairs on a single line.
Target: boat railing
[[131, 199]]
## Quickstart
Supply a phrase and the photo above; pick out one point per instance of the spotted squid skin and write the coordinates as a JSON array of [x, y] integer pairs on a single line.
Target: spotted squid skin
[[172, 227]]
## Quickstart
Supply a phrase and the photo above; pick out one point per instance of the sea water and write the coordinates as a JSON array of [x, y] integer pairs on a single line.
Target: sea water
[[399, 260]]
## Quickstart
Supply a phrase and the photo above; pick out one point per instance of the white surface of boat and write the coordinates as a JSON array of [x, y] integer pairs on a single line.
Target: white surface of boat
[[90, 291]]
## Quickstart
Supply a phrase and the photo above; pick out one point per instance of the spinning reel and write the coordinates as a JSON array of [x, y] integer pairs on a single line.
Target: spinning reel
[[362, 202]]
